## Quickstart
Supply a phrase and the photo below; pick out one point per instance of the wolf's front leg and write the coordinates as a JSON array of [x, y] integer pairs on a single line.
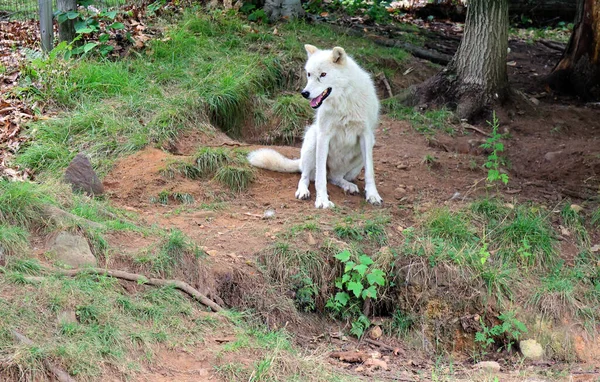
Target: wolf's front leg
[[367, 141], [322, 200]]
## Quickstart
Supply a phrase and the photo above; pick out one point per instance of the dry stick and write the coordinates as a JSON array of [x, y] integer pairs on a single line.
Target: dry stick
[[178, 284], [471, 127], [380, 344], [387, 85], [60, 374]]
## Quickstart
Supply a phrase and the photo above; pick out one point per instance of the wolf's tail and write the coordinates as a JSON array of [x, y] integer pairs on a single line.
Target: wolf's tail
[[272, 160]]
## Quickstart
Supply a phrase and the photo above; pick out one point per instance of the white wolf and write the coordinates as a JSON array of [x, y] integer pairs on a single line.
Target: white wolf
[[340, 141]]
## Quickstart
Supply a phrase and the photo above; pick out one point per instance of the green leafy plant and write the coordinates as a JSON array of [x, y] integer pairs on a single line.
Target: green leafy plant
[[87, 24], [508, 331], [359, 282], [494, 160]]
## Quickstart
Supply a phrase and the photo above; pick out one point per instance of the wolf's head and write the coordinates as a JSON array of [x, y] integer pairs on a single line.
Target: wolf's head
[[325, 74]]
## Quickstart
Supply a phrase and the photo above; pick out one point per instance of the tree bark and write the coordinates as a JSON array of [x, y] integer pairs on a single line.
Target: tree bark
[[66, 30], [578, 71], [288, 9], [476, 77]]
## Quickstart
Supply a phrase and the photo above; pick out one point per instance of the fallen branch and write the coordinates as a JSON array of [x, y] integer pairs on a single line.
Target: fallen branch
[[471, 127], [553, 45], [59, 374], [178, 284], [428, 54], [382, 345], [387, 85]]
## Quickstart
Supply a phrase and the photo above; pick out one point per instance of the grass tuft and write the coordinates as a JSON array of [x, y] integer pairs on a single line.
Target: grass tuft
[[210, 159], [527, 238], [236, 178], [22, 203], [13, 240]]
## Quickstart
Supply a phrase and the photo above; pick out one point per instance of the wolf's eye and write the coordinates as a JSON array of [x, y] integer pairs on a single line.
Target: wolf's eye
[[323, 74]]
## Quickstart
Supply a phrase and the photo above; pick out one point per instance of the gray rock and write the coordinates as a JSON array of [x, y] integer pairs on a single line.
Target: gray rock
[[67, 317], [72, 250], [81, 176], [531, 349], [489, 366], [552, 156]]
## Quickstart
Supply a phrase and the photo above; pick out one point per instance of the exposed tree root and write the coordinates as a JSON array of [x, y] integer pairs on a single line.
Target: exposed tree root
[[61, 216], [181, 285], [59, 374]]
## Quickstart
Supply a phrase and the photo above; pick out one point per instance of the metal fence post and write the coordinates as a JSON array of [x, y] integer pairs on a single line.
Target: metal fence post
[[46, 31]]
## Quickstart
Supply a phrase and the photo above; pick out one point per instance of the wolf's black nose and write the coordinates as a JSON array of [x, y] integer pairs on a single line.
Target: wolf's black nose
[[305, 94]]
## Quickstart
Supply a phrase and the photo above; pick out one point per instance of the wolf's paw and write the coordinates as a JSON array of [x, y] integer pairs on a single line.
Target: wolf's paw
[[375, 199], [324, 203], [350, 188], [303, 194]]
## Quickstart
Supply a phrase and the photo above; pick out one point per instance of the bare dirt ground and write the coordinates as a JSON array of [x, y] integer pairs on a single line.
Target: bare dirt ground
[[554, 154]]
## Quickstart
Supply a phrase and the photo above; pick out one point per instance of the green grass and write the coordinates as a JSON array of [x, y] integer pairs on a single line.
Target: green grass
[[301, 271], [596, 217], [236, 178], [451, 226], [428, 122], [358, 228], [292, 113], [22, 203], [113, 329], [526, 238], [278, 359], [210, 159], [13, 240], [574, 221], [556, 296], [174, 247], [210, 69]]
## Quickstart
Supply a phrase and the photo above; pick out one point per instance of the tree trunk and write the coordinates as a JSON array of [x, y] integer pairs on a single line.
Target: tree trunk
[[476, 77], [66, 29], [288, 9], [578, 71]]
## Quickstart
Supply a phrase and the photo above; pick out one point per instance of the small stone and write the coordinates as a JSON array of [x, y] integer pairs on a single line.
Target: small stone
[[402, 166], [375, 332], [489, 366], [551, 156], [359, 369], [212, 252], [311, 240], [67, 317], [72, 250], [595, 248], [270, 213], [531, 349], [81, 176], [577, 208]]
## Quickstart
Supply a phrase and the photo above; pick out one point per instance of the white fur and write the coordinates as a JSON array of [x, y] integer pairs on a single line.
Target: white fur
[[342, 137]]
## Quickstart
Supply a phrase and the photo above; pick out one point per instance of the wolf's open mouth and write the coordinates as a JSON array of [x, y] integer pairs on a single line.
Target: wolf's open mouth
[[318, 100]]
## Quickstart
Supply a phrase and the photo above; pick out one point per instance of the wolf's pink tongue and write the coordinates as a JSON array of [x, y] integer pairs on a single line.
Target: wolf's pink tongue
[[315, 101]]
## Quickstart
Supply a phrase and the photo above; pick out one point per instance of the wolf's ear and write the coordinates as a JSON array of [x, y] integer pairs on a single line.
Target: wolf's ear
[[339, 55], [310, 49]]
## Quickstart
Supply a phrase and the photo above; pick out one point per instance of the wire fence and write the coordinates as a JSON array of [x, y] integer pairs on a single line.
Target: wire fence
[[29, 9]]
